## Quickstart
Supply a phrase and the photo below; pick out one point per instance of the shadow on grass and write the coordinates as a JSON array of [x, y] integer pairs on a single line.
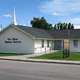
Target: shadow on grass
[[12, 54]]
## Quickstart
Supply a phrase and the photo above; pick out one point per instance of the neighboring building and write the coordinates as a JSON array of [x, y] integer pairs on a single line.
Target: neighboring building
[[23, 39]]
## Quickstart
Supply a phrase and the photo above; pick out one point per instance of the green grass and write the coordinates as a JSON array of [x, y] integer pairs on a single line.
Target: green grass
[[10, 54], [59, 56]]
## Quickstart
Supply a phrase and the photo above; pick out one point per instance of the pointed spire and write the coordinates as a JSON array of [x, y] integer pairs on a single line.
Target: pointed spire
[[14, 18]]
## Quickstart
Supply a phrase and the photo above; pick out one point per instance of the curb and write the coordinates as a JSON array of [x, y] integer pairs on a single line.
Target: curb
[[43, 61]]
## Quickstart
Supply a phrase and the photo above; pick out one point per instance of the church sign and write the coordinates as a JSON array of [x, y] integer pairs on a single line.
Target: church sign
[[12, 40]]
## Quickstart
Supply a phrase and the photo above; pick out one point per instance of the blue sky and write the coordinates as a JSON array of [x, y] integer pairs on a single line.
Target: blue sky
[[53, 10]]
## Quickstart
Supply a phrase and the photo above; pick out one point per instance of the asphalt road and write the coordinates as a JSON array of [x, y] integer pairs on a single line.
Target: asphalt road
[[13, 70]]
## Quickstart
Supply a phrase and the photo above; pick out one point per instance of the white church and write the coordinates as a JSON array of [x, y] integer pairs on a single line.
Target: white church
[[23, 39]]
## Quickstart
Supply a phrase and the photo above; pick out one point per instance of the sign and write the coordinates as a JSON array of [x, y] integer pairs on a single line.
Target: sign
[[12, 40], [66, 43]]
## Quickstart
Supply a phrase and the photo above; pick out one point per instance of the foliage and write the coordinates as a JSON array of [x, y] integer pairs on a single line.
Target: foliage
[[41, 23], [62, 26]]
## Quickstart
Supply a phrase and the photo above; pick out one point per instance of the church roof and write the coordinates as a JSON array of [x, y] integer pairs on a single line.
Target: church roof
[[52, 34], [73, 33], [38, 33]]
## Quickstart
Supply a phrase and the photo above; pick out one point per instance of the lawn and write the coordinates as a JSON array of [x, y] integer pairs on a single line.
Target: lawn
[[59, 56], [10, 54]]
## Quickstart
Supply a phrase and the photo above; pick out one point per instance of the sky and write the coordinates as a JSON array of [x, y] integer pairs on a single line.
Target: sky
[[53, 11]]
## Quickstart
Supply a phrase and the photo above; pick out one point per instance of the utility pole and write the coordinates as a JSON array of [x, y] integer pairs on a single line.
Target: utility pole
[[66, 50]]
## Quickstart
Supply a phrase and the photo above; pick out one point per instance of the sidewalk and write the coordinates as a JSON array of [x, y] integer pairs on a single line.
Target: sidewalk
[[25, 58]]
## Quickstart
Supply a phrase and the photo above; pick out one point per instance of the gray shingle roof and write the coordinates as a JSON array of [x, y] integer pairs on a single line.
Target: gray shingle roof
[[56, 34], [39, 33], [75, 33], [59, 33]]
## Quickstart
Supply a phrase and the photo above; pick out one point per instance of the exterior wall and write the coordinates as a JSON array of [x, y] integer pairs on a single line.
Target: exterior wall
[[38, 46], [74, 49], [26, 44]]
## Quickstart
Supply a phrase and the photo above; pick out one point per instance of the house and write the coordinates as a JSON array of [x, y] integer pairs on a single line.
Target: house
[[23, 39]]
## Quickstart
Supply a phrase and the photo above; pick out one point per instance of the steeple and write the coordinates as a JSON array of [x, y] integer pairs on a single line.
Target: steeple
[[14, 18]]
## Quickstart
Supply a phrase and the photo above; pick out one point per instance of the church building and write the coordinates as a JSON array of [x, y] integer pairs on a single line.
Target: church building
[[23, 39]]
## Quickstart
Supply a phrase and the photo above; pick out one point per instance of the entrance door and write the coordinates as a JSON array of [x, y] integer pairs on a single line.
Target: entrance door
[[57, 44]]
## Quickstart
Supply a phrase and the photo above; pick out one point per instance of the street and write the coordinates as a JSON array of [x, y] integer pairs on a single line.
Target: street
[[14, 70]]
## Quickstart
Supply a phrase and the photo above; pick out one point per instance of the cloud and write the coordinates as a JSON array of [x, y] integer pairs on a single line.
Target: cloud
[[63, 10], [74, 20], [55, 14], [7, 15], [61, 7]]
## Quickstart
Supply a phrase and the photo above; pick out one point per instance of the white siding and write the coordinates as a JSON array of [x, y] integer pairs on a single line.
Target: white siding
[[38, 46], [74, 49], [26, 45]]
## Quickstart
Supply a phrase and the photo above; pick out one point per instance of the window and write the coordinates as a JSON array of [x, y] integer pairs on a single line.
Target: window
[[75, 43], [47, 43], [42, 43]]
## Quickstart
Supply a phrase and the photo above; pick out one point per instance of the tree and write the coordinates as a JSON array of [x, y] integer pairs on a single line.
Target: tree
[[62, 26], [41, 23], [70, 26]]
